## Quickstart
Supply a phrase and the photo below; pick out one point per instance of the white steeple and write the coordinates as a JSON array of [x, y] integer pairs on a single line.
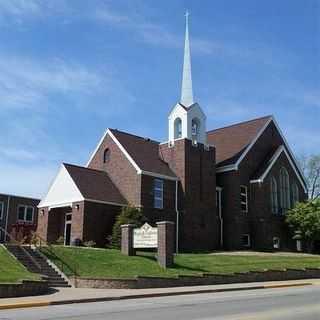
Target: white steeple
[[187, 120], [186, 90]]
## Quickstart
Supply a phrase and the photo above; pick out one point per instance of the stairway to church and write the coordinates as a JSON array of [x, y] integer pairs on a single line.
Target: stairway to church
[[34, 262]]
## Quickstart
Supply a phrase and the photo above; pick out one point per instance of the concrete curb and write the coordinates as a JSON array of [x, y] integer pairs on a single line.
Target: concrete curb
[[147, 295]]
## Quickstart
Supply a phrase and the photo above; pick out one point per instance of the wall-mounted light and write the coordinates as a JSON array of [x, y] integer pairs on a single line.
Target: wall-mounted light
[[77, 206]]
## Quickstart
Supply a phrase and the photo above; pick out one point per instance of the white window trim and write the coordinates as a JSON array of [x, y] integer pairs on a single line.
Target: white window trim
[[246, 196], [25, 213], [248, 245], [1, 211], [154, 195], [294, 165]]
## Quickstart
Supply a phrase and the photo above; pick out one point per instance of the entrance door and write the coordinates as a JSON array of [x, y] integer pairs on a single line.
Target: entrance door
[[67, 230]]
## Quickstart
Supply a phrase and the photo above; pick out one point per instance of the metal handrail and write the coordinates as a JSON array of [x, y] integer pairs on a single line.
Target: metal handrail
[[23, 249], [48, 246]]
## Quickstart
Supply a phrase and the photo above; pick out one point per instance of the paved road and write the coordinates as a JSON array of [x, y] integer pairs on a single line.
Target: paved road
[[268, 304]]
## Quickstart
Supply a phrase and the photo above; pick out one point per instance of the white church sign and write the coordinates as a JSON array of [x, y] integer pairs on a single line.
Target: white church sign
[[145, 237]]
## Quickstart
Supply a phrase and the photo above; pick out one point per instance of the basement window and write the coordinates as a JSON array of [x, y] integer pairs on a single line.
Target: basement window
[[1, 210], [245, 240], [25, 213], [244, 198], [158, 193]]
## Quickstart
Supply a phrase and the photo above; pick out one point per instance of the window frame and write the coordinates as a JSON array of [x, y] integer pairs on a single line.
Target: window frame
[[1, 210], [106, 155], [274, 195], [248, 236], [25, 213], [246, 203], [285, 197], [155, 197], [295, 194]]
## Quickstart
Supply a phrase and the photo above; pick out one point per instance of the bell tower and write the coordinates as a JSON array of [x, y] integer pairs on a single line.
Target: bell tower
[[187, 120]]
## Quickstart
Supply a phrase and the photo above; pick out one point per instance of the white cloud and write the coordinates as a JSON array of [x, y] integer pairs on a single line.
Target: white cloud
[[26, 84]]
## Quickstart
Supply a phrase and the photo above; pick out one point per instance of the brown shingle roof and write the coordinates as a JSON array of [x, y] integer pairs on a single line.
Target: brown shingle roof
[[94, 184], [144, 152], [231, 141]]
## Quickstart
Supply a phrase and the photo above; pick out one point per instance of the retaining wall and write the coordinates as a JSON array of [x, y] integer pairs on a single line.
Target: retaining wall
[[204, 279], [25, 288]]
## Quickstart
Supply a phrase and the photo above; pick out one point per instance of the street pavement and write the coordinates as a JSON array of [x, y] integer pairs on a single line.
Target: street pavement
[[294, 303]]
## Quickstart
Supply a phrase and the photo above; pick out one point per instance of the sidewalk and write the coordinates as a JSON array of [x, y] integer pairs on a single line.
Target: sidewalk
[[74, 295]]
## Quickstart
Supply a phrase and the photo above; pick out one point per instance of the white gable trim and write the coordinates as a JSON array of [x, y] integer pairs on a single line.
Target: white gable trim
[[97, 147], [273, 160], [124, 151], [236, 165], [120, 146], [129, 158], [56, 198], [106, 202]]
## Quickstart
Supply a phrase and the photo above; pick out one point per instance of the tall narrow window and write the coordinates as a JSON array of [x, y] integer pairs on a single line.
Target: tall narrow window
[[1, 210], [177, 128], [284, 190], [274, 195], [295, 194], [106, 155], [244, 198], [158, 193]]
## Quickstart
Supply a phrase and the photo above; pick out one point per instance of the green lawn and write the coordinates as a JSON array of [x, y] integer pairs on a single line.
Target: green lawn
[[106, 263], [11, 270]]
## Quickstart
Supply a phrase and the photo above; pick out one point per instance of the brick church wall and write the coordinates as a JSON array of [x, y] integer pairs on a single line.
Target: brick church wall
[[259, 222], [120, 171], [195, 167]]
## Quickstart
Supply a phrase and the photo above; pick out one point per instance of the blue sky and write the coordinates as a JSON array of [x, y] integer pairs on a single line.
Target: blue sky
[[70, 69]]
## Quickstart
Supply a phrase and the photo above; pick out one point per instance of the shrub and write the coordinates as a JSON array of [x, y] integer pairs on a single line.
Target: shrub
[[128, 215]]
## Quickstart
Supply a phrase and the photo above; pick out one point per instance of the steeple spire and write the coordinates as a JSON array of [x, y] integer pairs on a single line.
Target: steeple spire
[[186, 91]]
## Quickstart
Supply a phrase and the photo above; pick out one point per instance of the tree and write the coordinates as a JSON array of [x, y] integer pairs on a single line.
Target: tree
[[304, 219], [310, 166], [128, 215]]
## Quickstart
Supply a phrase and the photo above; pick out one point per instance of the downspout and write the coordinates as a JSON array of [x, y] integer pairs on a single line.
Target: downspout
[[6, 227], [177, 219], [221, 219]]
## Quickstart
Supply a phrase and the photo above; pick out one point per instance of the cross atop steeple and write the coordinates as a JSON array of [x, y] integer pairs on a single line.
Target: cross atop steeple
[[186, 90]]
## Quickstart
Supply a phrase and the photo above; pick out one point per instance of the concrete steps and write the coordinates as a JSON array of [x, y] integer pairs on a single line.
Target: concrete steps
[[37, 264]]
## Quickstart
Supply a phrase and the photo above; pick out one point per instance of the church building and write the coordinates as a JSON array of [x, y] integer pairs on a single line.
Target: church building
[[227, 188]]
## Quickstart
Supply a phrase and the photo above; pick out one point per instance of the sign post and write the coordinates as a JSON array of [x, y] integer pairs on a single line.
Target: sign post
[[147, 236]]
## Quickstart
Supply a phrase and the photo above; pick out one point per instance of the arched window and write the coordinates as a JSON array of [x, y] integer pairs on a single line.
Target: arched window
[[106, 155], [195, 129], [284, 190], [177, 128], [274, 195], [295, 194]]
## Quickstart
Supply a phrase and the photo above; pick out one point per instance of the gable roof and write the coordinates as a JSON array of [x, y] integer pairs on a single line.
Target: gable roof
[[144, 152], [141, 152], [74, 183], [95, 184], [267, 166], [232, 141]]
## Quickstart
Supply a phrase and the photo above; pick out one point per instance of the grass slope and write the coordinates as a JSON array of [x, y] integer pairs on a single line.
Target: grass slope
[[106, 263], [11, 270]]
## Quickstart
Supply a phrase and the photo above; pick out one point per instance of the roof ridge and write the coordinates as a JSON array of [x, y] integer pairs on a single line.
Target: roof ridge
[[82, 167], [136, 136], [238, 123]]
